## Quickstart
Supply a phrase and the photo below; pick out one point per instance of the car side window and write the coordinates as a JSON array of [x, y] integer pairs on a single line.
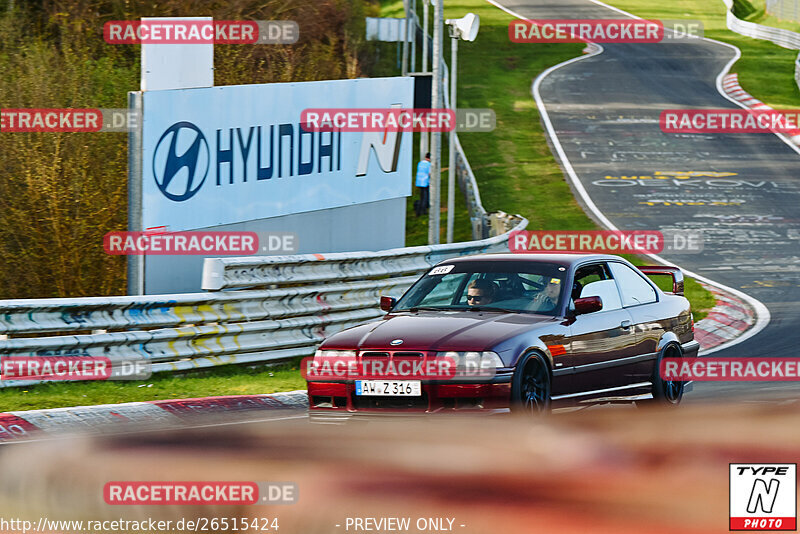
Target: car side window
[[586, 275], [606, 290], [634, 288], [596, 281]]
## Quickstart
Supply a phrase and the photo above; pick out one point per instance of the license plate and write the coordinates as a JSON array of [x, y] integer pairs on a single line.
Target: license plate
[[389, 388]]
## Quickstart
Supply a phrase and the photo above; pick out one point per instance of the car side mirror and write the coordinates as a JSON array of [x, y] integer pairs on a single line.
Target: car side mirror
[[588, 305], [387, 303]]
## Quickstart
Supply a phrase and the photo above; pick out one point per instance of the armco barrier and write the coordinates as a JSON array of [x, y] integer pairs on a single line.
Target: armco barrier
[[466, 179], [784, 9], [258, 271], [785, 38], [308, 297]]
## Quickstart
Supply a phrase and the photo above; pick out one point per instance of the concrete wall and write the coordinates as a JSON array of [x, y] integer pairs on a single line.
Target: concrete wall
[[372, 226]]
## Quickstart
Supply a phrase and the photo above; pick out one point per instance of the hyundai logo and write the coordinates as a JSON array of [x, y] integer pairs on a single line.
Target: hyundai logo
[[169, 165], [396, 342]]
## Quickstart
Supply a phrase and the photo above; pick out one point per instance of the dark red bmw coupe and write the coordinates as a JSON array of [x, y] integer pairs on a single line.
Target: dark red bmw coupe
[[553, 329]]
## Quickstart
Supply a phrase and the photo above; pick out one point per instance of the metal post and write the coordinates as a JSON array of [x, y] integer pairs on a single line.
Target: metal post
[[405, 37], [424, 35], [423, 136], [451, 136], [436, 137], [135, 262], [413, 19]]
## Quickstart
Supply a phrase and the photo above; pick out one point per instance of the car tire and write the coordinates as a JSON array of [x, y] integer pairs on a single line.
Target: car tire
[[666, 392], [530, 386]]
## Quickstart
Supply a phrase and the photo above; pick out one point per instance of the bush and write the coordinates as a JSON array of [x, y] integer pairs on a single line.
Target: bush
[[61, 192]]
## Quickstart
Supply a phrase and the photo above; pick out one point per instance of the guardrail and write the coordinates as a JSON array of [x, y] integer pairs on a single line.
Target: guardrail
[[308, 298], [259, 271], [785, 38], [478, 216], [784, 9]]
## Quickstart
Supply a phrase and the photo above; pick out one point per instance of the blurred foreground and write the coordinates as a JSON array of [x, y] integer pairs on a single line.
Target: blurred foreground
[[621, 470]]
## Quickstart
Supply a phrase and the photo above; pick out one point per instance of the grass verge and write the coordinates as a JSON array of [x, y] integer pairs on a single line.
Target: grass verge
[[756, 11], [229, 380]]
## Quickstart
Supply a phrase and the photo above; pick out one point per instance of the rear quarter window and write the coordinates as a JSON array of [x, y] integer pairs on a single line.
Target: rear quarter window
[[633, 286]]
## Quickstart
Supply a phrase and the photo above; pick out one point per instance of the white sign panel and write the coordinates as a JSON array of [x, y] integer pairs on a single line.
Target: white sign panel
[[231, 154], [385, 29], [170, 66]]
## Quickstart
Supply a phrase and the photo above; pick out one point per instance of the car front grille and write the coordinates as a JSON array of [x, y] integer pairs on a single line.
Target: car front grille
[[390, 403], [393, 354]]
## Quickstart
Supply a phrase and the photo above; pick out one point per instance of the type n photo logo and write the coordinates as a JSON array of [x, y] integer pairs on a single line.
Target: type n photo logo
[[763, 497]]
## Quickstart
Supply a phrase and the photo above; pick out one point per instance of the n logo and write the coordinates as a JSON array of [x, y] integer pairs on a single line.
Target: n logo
[[763, 496], [386, 146]]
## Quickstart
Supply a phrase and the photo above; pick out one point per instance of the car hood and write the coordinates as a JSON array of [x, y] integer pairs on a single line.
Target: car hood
[[429, 331]]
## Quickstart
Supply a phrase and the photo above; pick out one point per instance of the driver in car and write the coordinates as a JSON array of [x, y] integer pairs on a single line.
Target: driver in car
[[480, 292], [547, 299]]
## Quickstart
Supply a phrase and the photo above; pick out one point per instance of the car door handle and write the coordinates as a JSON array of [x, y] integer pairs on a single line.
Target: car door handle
[[625, 325]]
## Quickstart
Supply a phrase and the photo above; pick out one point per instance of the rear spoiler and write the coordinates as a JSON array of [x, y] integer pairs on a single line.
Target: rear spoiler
[[663, 270]]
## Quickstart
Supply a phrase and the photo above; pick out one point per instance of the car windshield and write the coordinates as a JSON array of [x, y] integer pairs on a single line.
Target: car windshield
[[523, 286]]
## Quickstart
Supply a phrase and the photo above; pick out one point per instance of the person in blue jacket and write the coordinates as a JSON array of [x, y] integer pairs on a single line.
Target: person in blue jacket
[[423, 183]]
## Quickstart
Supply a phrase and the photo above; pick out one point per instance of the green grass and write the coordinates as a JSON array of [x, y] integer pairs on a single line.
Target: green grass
[[230, 380], [765, 70], [701, 299], [759, 15]]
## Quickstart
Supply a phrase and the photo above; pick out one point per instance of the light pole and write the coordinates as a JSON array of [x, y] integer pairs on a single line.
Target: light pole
[[406, 9], [423, 136], [464, 28], [436, 149], [425, 35], [413, 37]]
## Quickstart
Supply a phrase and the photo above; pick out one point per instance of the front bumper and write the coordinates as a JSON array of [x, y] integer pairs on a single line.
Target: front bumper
[[437, 397]]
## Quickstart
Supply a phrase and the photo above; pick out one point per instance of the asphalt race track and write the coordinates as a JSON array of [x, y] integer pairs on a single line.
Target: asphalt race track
[[741, 190]]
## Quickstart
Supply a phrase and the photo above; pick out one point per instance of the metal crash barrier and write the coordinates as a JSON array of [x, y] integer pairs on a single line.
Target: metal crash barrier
[[785, 38], [282, 307]]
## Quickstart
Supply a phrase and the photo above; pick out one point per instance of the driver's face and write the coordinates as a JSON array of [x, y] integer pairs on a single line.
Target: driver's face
[[476, 297], [552, 290]]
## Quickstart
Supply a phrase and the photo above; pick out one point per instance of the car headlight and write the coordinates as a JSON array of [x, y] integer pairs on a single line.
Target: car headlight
[[469, 361], [334, 354]]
